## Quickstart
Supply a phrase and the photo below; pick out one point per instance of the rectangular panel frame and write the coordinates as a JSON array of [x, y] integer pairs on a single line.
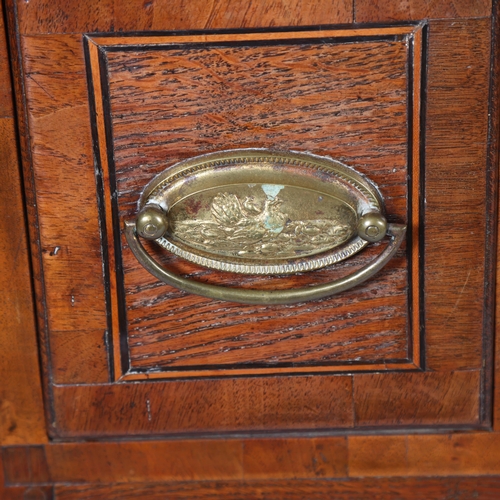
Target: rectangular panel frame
[[97, 46]]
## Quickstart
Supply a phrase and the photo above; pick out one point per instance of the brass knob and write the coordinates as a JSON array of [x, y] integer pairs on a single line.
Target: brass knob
[[372, 227], [151, 222]]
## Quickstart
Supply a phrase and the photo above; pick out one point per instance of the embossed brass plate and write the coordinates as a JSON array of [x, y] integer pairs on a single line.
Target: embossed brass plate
[[260, 211]]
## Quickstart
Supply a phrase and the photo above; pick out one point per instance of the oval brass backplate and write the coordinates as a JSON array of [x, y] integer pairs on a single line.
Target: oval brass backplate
[[258, 211]]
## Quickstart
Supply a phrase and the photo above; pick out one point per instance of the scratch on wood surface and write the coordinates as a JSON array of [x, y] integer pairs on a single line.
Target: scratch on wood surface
[[41, 86], [148, 409], [460, 295]]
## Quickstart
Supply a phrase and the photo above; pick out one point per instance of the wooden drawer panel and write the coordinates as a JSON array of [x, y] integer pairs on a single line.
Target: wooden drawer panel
[[347, 94], [415, 125]]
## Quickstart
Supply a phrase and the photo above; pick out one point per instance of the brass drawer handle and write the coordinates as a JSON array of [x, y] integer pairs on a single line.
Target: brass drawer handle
[[257, 211], [396, 231]]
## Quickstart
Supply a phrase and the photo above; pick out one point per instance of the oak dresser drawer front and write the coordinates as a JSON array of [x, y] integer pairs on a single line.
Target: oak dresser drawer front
[[127, 353]]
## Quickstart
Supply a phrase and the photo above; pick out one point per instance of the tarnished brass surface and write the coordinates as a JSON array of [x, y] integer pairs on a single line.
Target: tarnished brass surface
[[262, 212], [258, 223], [151, 222], [372, 227]]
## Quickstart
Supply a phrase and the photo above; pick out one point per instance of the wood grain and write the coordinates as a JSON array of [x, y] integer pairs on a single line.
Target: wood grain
[[256, 459], [429, 455], [66, 194], [494, 158], [21, 413], [65, 182], [25, 465], [222, 464], [372, 11], [486, 488], [194, 460], [21, 410], [214, 110], [361, 326], [455, 193], [394, 399], [374, 456], [29, 188], [453, 455], [237, 106], [455, 187], [6, 97], [210, 405], [64, 16], [324, 457], [271, 34], [199, 460], [215, 14], [78, 356], [269, 403], [27, 493]]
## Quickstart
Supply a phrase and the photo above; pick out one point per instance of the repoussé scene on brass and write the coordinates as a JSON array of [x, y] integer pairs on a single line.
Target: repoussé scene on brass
[[256, 221]]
